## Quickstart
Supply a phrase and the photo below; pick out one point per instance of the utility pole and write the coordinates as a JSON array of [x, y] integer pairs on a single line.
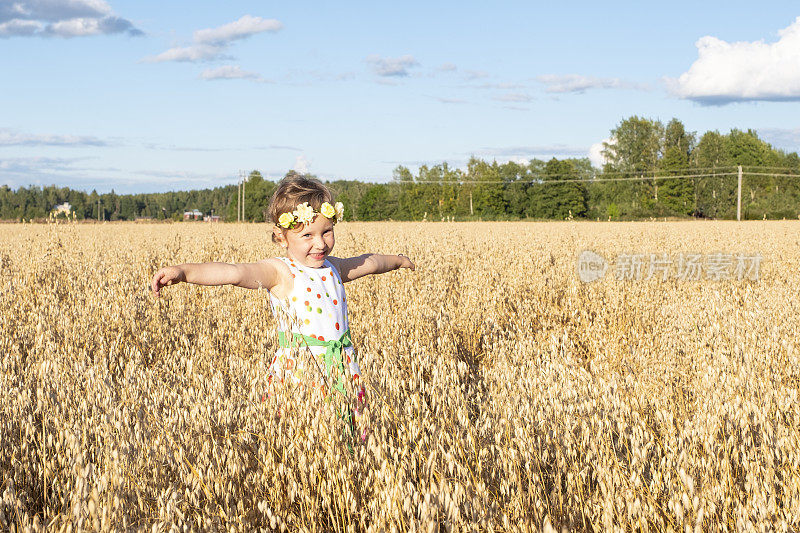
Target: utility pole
[[240, 198], [655, 187], [470, 204], [244, 203], [739, 196]]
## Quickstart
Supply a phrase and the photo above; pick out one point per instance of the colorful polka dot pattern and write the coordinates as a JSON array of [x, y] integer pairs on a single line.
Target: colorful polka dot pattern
[[319, 304]]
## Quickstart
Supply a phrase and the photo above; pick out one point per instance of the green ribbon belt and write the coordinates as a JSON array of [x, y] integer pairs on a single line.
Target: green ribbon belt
[[332, 356]]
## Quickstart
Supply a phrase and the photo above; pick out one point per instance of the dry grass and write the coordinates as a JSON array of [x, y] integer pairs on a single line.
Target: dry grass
[[505, 393]]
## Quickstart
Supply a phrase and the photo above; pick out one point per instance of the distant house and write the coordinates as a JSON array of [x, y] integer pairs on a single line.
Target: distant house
[[211, 218], [65, 208], [192, 215]]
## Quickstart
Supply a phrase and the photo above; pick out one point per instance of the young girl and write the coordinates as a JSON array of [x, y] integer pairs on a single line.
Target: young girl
[[306, 291]]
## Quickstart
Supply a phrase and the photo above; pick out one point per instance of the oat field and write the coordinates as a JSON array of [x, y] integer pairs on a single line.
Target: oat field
[[505, 394]]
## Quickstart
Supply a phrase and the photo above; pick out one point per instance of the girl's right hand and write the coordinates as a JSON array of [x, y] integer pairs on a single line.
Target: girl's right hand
[[167, 276], [405, 262]]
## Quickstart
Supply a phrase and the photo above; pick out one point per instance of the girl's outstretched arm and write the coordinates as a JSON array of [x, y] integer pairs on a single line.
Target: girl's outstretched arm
[[264, 274], [351, 268]]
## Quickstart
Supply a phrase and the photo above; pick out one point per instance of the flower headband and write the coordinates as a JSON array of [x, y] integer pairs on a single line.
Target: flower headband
[[305, 214]]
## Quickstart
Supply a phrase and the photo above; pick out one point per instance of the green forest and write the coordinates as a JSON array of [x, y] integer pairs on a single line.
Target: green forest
[[652, 170]]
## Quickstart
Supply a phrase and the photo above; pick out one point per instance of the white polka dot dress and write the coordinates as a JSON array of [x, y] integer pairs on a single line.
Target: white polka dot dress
[[317, 308]]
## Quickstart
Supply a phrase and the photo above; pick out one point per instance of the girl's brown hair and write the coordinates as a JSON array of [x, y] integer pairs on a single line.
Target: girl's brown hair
[[293, 190]]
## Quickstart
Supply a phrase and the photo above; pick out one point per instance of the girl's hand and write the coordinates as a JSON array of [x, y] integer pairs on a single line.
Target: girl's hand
[[167, 276], [405, 262]]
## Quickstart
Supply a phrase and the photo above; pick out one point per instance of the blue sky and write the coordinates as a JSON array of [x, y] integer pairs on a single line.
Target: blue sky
[[153, 96]]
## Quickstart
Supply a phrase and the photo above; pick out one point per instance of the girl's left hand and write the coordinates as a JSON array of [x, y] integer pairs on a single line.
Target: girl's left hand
[[405, 262]]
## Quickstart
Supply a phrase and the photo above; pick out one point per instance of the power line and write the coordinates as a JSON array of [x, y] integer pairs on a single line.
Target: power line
[[718, 175], [578, 171], [697, 169], [545, 179], [585, 176], [773, 175], [771, 168], [574, 180]]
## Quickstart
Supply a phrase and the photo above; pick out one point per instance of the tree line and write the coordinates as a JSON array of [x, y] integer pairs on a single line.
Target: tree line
[[651, 170]]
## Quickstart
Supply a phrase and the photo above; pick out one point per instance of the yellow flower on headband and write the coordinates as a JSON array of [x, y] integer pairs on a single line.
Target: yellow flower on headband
[[304, 214], [286, 220], [327, 210]]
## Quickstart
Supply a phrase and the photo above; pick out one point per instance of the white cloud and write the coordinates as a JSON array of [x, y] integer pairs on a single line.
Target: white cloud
[[448, 100], [279, 147], [577, 83], [447, 67], [787, 139], [24, 171], [391, 66], [743, 71], [20, 28], [239, 29], [513, 97], [61, 18], [519, 160], [212, 43], [197, 52], [476, 74], [500, 85], [82, 27], [301, 164], [53, 10], [37, 164], [176, 148], [228, 72], [596, 153], [517, 153], [10, 137]]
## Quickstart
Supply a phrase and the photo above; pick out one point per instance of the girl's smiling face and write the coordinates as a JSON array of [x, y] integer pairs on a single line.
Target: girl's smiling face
[[309, 244]]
